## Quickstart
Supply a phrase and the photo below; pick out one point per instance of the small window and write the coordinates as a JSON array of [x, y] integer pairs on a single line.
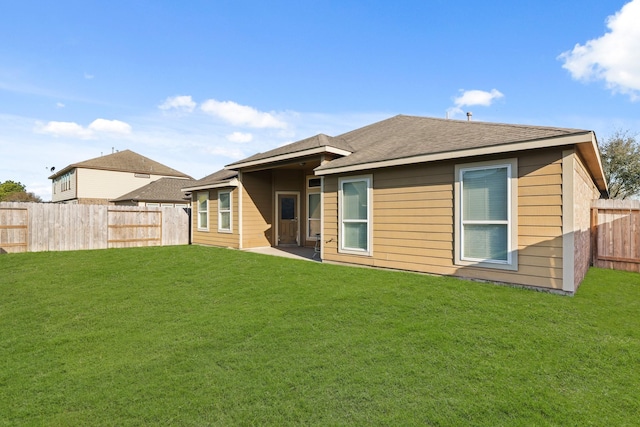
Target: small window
[[355, 215], [224, 211], [203, 210], [487, 235], [314, 182]]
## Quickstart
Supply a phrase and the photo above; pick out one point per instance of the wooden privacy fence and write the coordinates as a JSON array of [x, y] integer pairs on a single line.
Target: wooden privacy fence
[[37, 227], [615, 234]]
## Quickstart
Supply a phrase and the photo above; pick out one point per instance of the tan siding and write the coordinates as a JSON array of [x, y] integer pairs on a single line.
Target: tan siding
[[541, 190], [536, 211], [548, 220], [257, 209], [413, 221], [540, 201], [540, 216], [214, 237], [542, 241]]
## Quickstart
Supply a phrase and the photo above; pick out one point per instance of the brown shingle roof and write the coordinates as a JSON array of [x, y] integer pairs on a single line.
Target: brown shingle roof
[[125, 161], [403, 136], [213, 179], [317, 141], [161, 190]]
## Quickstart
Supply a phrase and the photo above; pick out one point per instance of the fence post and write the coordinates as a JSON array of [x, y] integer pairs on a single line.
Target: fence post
[[594, 236]]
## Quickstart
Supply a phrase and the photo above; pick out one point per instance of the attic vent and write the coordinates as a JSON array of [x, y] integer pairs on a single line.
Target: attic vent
[[142, 175]]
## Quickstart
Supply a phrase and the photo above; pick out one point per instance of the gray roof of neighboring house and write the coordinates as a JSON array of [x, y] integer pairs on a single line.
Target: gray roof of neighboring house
[[160, 190], [317, 141], [218, 177], [403, 136], [124, 161]]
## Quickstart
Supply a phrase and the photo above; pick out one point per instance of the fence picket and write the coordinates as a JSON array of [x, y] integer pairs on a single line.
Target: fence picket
[[617, 234], [61, 227]]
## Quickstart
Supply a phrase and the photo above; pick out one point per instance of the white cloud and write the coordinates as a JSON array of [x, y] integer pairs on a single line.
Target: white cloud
[[65, 129], [241, 115], [88, 76], [470, 98], [181, 103], [110, 126], [74, 130], [477, 97], [240, 137], [614, 57], [59, 105]]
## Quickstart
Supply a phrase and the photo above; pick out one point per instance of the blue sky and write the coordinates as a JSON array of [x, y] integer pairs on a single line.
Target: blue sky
[[199, 84]]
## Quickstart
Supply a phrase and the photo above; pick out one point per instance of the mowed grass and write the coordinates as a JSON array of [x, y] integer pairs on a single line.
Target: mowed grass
[[204, 336]]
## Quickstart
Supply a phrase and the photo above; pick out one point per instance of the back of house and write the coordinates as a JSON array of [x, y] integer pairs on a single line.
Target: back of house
[[496, 202]]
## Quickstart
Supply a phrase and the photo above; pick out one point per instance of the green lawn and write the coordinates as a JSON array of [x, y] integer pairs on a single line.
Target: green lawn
[[203, 336]]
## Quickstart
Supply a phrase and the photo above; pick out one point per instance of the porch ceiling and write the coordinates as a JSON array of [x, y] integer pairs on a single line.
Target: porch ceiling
[[303, 163]]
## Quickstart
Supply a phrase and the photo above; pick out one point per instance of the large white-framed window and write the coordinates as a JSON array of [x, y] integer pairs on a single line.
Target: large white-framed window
[[486, 214], [203, 210], [355, 215], [314, 208], [224, 211]]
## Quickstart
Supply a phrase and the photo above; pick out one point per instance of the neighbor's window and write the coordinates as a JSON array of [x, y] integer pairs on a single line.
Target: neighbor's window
[[355, 215], [203, 210], [486, 218], [224, 211], [65, 182], [313, 207]]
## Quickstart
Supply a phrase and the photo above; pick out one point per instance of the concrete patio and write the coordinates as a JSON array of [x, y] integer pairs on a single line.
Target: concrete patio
[[296, 252]]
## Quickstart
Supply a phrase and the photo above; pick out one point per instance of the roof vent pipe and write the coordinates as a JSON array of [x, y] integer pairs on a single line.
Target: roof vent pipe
[[469, 114]]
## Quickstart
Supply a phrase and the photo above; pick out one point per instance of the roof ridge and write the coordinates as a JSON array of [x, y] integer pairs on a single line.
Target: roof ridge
[[485, 123], [124, 161]]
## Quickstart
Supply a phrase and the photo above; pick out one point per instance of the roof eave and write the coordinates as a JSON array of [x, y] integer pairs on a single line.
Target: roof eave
[[584, 138], [289, 156], [590, 152], [62, 172], [228, 183]]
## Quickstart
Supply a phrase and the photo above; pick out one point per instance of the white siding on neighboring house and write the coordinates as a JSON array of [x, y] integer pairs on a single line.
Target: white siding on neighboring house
[[102, 184], [64, 187]]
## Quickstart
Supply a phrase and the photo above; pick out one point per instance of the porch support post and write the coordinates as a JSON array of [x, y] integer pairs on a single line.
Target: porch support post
[[240, 191]]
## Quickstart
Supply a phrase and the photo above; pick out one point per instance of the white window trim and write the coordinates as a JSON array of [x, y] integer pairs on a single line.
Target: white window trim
[[198, 211], [313, 190], [230, 210], [369, 221], [512, 215]]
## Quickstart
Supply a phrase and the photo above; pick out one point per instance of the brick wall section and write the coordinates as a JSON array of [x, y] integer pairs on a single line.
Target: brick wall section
[[584, 192], [85, 201]]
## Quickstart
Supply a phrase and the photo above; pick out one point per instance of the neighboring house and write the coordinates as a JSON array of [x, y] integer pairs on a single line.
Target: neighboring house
[[497, 202], [96, 181], [165, 192]]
